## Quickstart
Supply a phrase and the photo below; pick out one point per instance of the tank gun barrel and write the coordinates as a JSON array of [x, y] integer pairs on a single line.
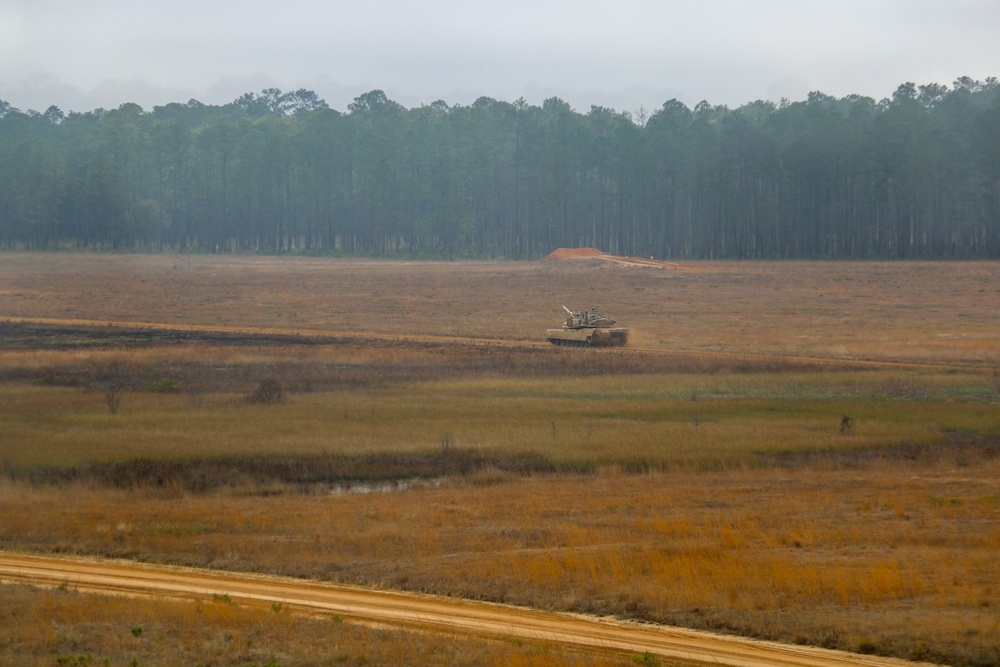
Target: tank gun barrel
[[567, 310]]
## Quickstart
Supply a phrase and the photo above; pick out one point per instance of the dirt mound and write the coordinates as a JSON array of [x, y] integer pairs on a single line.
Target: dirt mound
[[574, 253], [594, 253]]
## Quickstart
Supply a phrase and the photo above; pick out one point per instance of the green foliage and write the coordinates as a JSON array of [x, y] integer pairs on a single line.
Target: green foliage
[[867, 647], [846, 425], [647, 659], [164, 386], [914, 175]]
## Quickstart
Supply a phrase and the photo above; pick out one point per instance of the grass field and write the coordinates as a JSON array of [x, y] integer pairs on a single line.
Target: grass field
[[917, 311], [693, 482], [64, 628]]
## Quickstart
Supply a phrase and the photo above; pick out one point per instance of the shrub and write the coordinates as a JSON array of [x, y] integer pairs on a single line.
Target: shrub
[[164, 386], [846, 425], [268, 392]]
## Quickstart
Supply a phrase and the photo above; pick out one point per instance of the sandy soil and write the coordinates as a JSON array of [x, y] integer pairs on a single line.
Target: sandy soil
[[562, 254], [418, 611]]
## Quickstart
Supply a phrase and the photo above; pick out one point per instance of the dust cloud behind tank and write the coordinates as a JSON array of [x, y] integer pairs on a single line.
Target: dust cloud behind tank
[[588, 328]]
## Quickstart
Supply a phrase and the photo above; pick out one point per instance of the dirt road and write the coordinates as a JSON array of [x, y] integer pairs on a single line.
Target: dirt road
[[416, 611]]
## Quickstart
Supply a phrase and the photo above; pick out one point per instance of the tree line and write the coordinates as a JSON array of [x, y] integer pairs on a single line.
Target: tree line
[[916, 175]]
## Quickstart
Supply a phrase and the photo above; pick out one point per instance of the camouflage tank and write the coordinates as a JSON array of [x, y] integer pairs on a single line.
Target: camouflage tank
[[588, 329]]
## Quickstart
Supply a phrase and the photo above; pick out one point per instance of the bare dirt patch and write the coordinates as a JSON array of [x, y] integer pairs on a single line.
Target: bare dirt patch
[[422, 612], [573, 253], [52, 627], [562, 254]]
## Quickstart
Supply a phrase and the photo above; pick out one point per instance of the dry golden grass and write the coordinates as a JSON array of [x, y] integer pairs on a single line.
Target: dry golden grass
[[61, 627], [716, 491], [918, 311], [898, 558]]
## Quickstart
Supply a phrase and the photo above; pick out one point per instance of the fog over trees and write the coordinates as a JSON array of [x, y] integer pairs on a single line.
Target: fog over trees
[[913, 176]]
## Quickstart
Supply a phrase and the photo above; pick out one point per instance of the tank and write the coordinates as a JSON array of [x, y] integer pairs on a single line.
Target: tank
[[588, 329]]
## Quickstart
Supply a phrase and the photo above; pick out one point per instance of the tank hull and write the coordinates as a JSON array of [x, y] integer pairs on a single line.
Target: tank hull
[[599, 337]]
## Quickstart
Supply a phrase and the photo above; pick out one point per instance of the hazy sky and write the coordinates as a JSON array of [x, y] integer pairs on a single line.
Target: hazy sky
[[84, 54]]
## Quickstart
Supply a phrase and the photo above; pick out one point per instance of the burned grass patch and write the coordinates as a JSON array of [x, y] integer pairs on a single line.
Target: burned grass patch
[[156, 359]]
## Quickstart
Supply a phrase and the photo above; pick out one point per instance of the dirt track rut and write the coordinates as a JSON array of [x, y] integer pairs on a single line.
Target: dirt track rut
[[325, 336], [417, 611]]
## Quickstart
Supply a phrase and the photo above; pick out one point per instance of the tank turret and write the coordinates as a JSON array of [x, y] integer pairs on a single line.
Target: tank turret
[[586, 319], [587, 328]]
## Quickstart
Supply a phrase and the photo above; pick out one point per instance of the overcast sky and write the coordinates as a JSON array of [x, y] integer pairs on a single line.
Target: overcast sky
[[625, 54]]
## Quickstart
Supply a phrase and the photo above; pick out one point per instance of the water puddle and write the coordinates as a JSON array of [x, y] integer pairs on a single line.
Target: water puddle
[[395, 486]]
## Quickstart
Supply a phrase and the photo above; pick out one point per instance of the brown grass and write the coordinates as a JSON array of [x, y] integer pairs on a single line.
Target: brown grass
[[914, 311], [796, 555], [646, 421], [61, 627], [708, 488]]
